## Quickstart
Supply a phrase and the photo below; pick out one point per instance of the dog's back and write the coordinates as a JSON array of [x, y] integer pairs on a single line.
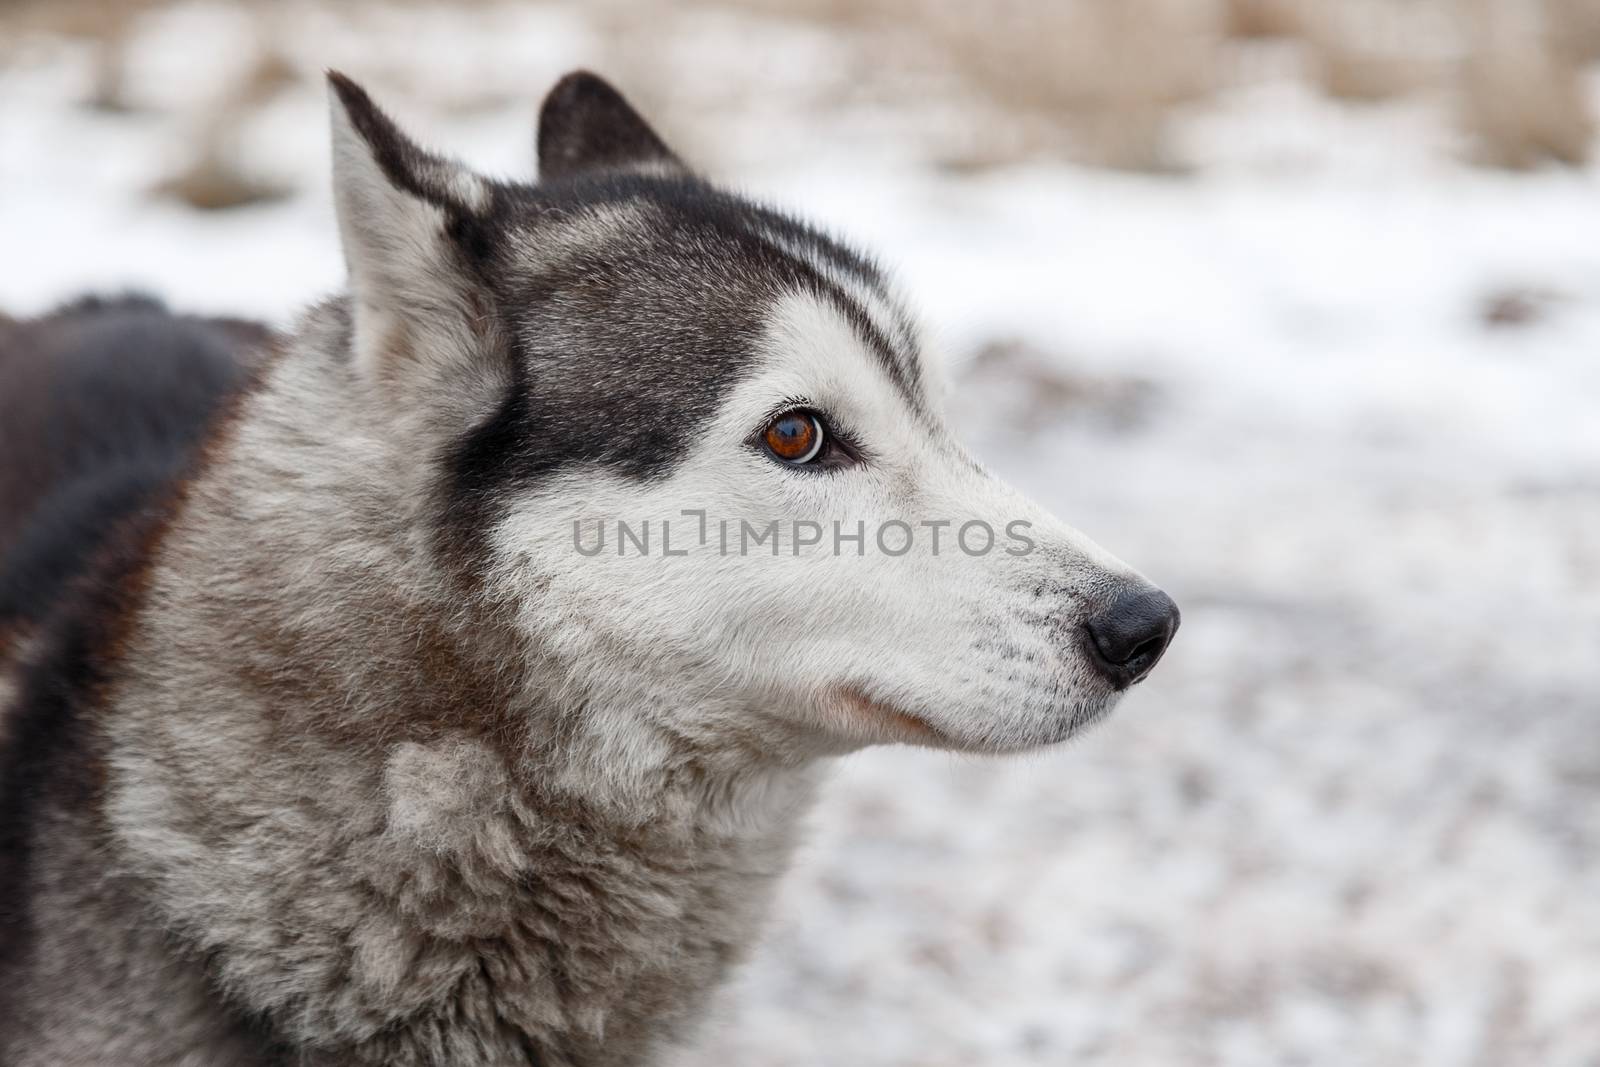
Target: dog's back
[[102, 404]]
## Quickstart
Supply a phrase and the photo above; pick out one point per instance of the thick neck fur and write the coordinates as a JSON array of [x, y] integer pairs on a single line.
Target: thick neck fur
[[395, 829]]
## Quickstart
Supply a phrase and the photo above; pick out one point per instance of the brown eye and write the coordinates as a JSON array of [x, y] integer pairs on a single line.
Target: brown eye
[[794, 437]]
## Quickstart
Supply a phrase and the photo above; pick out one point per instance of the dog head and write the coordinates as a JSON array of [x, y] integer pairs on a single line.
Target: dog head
[[692, 446]]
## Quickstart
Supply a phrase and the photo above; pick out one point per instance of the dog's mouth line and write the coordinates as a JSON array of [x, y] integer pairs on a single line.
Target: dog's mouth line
[[900, 722]]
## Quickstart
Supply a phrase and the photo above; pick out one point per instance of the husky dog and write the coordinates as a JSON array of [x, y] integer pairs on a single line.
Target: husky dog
[[326, 739]]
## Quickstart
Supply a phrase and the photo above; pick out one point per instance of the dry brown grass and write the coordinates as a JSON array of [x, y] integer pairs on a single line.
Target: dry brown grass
[[212, 182], [1346, 71], [1096, 81], [1346, 67], [1103, 76], [78, 18], [1036, 390], [1521, 92], [105, 24], [1524, 106], [1256, 19], [1091, 80], [1099, 81], [1574, 29]]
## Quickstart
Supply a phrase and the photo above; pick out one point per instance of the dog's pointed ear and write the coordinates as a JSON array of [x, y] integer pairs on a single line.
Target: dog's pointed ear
[[406, 217], [586, 125]]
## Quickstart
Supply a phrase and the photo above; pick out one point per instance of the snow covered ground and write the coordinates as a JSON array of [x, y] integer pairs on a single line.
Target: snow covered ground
[[1338, 394]]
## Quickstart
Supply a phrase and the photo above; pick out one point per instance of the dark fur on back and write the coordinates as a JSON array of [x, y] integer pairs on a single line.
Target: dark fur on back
[[102, 404]]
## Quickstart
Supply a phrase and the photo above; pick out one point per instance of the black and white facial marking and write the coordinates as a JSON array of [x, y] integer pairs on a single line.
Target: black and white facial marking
[[608, 344]]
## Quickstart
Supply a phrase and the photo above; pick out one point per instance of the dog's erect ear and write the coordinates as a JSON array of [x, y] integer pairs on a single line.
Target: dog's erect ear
[[586, 125], [403, 211]]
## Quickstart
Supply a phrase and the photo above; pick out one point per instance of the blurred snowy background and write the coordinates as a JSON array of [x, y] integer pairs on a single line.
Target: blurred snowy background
[[1295, 305]]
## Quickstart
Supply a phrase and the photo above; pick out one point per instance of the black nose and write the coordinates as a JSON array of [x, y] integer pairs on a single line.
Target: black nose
[[1127, 638]]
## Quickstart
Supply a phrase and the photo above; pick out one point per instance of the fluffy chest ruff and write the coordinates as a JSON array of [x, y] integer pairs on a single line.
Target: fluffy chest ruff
[[436, 911]]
